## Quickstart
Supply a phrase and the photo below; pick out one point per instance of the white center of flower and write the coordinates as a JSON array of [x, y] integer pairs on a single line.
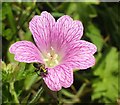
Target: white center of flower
[[51, 59]]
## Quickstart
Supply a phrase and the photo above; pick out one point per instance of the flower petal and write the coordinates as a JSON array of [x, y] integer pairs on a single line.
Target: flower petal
[[52, 80], [25, 51], [42, 28], [68, 29], [84, 61], [81, 47], [65, 75], [58, 77], [87, 47], [80, 55]]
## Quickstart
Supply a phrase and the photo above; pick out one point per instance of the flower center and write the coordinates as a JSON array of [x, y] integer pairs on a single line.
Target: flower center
[[51, 59]]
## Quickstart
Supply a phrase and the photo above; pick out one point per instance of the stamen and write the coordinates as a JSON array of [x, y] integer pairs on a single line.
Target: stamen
[[48, 54], [52, 48], [51, 59], [45, 60]]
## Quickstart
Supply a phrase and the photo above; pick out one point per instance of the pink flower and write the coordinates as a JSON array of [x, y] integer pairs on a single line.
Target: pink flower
[[58, 46]]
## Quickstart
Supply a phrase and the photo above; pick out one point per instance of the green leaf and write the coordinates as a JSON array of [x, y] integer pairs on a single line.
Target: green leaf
[[30, 80], [10, 17], [108, 64], [7, 34], [94, 34], [106, 87], [57, 14], [10, 56], [8, 71]]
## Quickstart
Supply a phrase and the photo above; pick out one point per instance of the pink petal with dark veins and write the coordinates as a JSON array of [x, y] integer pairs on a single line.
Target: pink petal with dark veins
[[80, 55], [58, 77], [26, 51], [42, 30]]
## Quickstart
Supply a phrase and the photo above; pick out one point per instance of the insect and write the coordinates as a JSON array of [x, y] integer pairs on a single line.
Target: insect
[[40, 68]]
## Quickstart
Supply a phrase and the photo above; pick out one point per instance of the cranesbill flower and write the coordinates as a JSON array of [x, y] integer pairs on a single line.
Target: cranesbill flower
[[58, 46]]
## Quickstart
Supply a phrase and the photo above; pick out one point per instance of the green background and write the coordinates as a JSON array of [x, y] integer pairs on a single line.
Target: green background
[[98, 84]]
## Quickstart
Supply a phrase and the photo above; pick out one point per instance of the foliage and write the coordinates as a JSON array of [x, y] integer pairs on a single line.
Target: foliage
[[107, 72], [95, 85]]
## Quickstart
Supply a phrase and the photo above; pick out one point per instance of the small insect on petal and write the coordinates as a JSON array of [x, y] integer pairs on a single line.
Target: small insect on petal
[[41, 69]]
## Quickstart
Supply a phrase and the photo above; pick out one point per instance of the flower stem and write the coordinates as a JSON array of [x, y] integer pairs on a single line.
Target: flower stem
[[79, 93], [13, 93], [37, 96]]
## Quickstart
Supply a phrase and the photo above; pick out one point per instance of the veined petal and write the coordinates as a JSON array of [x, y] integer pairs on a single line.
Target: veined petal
[[80, 55], [87, 47], [65, 75], [42, 28], [81, 62], [58, 77], [25, 51], [81, 47], [67, 31], [52, 80]]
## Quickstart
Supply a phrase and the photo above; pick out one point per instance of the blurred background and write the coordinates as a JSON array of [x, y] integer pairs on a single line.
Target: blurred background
[[98, 84]]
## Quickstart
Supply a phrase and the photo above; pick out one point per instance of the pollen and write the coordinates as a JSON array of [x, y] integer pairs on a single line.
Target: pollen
[[51, 59]]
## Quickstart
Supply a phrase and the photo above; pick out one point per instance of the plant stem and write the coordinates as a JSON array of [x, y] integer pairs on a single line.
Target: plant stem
[[13, 93], [79, 93], [37, 96]]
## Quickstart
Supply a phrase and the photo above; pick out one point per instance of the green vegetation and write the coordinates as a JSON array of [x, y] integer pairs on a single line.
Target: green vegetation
[[99, 84]]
